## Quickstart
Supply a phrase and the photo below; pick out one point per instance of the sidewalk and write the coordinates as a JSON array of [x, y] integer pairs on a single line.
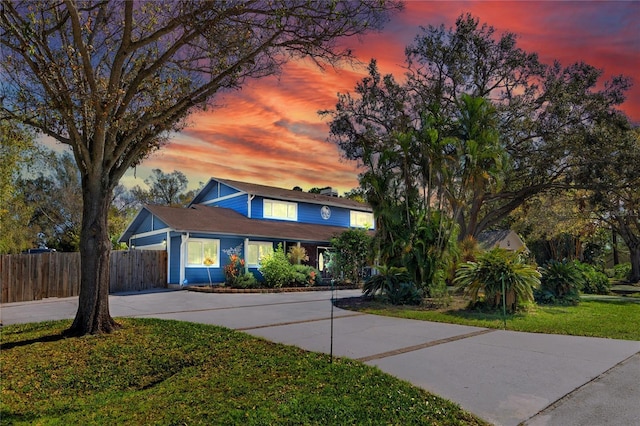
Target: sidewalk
[[505, 377]]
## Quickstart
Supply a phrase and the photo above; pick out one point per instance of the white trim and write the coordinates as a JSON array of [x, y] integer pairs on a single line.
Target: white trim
[[183, 239], [168, 245], [202, 241], [258, 243], [287, 203], [355, 224], [150, 233], [156, 247], [226, 197], [245, 255]]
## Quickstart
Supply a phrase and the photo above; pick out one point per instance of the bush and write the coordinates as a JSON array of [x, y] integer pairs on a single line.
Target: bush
[[245, 280], [622, 271], [394, 285], [276, 269], [560, 283], [305, 275], [491, 271], [405, 294], [595, 282], [233, 269]]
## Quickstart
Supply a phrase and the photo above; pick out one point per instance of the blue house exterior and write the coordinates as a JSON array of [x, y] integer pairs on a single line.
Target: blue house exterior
[[228, 217]]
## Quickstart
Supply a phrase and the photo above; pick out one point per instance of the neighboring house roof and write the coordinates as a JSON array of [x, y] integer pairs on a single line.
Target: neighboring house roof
[[283, 194], [223, 221], [504, 238]]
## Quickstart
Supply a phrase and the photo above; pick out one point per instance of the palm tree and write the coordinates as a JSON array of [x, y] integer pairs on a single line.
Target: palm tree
[[494, 271]]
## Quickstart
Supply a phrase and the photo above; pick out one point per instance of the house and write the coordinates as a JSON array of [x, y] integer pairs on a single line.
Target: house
[[504, 238], [228, 216]]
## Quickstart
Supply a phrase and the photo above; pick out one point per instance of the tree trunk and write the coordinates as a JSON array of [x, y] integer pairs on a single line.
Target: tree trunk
[[614, 244], [634, 254], [93, 308]]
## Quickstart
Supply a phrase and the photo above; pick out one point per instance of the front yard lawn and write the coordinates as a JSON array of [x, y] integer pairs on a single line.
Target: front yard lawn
[[169, 372], [614, 319]]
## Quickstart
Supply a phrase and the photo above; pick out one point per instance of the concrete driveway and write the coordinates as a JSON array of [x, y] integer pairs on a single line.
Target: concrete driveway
[[505, 377]]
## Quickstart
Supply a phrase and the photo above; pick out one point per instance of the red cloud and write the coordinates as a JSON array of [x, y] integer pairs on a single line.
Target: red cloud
[[269, 132]]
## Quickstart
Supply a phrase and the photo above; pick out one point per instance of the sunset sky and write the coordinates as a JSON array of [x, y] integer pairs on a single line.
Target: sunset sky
[[270, 132]]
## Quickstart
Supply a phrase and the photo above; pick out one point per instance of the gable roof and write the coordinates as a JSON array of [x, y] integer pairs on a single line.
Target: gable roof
[[282, 194], [222, 221], [503, 238]]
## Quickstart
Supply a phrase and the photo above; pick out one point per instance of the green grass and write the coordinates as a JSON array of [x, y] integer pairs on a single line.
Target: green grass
[[614, 319], [169, 372]]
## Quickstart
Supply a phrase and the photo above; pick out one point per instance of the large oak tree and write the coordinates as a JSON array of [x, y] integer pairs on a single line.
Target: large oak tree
[[433, 136], [113, 79]]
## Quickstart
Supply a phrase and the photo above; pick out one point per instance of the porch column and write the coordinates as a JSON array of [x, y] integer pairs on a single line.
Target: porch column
[[246, 255]]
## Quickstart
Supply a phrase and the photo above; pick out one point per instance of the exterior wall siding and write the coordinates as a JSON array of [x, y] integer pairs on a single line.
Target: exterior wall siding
[[174, 260], [158, 224], [310, 213], [238, 204], [257, 208], [145, 226], [149, 240]]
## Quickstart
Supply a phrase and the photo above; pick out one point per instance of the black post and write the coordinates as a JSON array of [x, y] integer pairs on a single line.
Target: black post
[[331, 345]]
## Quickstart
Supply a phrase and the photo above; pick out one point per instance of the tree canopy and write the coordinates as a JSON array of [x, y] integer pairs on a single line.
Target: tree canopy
[[479, 124], [114, 79]]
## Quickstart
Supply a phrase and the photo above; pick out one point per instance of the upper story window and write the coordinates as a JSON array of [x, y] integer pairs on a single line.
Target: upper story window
[[273, 209], [203, 253], [361, 220]]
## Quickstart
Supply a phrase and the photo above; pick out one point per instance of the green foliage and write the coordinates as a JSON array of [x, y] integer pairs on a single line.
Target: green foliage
[[17, 151], [493, 270], [622, 271], [351, 252], [591, 318], [305, 275], [394, 285], [595, 282], [560, 283], [276, 269], [405, 294], [172, 372], [387, 278], [245, 280]]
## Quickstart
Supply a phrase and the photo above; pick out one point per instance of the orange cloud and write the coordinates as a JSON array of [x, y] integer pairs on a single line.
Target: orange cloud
[[269, 132]]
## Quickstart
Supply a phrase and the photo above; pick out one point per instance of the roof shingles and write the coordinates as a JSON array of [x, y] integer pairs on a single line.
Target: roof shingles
[[223, 221]]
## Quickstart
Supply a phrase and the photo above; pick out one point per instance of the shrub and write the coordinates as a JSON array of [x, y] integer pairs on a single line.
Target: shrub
[[560, 283], [233, 269], [276, 269], [351, 249], [245, 280], [405, 294], [394, 285], [595, 282], [622, 271], [491, 271], [305, 275]]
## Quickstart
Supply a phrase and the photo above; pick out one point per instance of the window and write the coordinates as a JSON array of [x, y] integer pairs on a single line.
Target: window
[[283, 210], [203, 253], [256, 251], [361, 220]]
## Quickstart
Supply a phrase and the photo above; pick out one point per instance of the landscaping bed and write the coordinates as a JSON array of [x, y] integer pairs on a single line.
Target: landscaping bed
[[224, 289]]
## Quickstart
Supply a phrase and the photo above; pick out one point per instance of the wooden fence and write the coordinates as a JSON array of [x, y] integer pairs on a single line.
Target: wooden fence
[[25, 277]]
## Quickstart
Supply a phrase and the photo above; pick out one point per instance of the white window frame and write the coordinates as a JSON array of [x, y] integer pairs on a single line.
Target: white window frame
[[257, 244], [358, 219], [267, 210], [202, 241]]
